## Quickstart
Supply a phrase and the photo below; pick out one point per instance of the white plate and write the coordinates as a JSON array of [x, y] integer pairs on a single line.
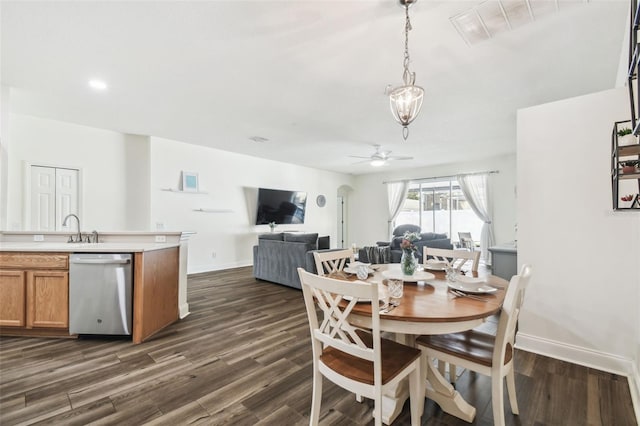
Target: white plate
[[436, 265], [478, 287], [397, 274], [382, 293], [354, 270]]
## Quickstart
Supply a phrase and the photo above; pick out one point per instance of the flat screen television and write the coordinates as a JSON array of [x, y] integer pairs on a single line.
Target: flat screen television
[[281, 207]]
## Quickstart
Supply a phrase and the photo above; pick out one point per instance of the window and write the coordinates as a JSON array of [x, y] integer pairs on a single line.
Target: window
[[439, 206]]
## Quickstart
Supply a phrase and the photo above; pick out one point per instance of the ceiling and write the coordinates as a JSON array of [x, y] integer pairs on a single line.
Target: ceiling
[[309, 76]]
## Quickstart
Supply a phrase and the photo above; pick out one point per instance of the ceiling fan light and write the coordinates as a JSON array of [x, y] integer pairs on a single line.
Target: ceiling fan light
[[405, 103], [378, 163]]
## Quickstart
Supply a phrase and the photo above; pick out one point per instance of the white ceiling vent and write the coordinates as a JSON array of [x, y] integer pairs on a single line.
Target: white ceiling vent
[[491, 17]]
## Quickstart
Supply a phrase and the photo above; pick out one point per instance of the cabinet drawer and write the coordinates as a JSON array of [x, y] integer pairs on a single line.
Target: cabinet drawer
[[34, 260]]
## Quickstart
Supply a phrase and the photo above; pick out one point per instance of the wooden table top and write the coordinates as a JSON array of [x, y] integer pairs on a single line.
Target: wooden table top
[[430, 301]]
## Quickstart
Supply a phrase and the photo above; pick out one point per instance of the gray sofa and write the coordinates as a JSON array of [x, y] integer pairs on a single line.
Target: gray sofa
[[427, 239], [278, 256]]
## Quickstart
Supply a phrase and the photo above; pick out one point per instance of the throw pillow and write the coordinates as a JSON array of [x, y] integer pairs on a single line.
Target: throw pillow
[[301, 238]]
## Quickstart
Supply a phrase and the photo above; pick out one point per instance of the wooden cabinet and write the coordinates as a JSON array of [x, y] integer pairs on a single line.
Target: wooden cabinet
[[13, 287], [35, 291], [47, 299]]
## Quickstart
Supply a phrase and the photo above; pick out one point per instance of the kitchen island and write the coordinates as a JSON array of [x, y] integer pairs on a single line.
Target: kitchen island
[[34, 280]]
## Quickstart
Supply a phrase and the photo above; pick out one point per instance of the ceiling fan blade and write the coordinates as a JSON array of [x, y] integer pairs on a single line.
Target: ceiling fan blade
[[359, 156], [399, 158], [363, 161]]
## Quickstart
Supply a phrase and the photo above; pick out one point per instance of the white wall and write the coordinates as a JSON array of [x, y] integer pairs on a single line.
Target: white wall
[[582, 303], [4, 153], [101, 157], [122, 176], [368, 204], [231, 181]]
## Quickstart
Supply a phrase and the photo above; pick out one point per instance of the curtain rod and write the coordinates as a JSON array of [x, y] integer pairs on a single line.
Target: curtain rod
[[441, 177]]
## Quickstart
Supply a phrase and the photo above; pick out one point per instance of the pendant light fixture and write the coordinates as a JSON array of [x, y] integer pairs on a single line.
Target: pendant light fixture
[[406, 101]]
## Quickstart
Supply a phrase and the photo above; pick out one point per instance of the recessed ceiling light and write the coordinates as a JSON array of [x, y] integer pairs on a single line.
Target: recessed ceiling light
[[97, 84]]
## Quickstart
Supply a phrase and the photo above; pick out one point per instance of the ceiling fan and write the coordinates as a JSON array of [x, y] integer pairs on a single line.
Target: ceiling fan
[[380, 158]]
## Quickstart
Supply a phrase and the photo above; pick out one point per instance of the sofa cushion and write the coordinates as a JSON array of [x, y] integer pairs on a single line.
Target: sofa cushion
[[400, 230], [273, 236], [301, 238], [425, 236]]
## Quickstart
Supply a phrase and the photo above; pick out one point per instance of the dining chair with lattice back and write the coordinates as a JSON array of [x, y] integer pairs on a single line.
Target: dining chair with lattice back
[[463, 256], [454, 257], [438, 254], [485, 353], [466, 241], [331, 262], [355, 359]]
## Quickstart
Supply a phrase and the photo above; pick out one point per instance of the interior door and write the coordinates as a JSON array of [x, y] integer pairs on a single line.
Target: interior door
[[66, 194], [54, 194], [43, 198]]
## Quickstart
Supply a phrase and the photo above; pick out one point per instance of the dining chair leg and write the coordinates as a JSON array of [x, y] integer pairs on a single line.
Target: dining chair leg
[[359, 398], [511, 390], [497, 398], [377, 409], [316, 398], [416, 396], [452, 373], [442, 367]]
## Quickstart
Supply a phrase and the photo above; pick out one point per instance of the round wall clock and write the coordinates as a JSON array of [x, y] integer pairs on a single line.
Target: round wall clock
[[321, 201]]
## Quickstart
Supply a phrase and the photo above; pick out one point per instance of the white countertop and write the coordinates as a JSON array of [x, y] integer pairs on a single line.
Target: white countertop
[[115, 247]]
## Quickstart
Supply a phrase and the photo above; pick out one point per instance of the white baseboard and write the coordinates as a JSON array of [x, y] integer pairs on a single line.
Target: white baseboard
[[587, 357], [184, 310], [198, 269], [575, 354], [634, 387]]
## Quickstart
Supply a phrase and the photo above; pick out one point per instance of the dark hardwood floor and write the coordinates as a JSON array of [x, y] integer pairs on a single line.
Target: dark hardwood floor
[[243, 357]]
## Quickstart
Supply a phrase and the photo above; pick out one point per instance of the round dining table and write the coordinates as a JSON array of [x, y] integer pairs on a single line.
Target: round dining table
[[429, 307]]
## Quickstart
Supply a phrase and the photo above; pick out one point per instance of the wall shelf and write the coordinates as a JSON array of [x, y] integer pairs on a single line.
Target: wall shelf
[[182, 192], [622, 184], [203, 210]]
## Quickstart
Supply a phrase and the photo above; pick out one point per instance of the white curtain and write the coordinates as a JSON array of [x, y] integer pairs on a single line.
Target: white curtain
[[476, 190], [396, 194]]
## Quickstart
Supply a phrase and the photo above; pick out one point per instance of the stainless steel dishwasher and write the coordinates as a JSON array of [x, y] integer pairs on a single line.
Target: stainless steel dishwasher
[[100, 293]]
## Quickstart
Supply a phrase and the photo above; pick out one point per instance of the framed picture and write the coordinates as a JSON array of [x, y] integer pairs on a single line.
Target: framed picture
[[189, 181]]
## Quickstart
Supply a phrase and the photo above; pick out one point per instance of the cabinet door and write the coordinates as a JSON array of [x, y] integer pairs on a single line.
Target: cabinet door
[[48, 299], [12, 303]]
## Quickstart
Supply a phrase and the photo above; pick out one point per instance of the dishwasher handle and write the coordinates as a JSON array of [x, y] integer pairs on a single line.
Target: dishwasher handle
[[102, 261]]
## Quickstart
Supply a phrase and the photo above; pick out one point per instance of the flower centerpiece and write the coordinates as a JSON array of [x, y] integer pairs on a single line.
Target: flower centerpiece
[[272, 226], [408, 261]]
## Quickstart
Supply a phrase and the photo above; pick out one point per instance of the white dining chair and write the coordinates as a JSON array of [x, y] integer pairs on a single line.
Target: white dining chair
[[439, 254], [466, 241], [330, 262], [463, 256], [484, 353], [456, 258], [355, 359]]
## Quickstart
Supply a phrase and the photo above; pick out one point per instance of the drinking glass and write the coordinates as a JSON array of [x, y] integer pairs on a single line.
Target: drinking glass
[[451, 273], [395, 288]]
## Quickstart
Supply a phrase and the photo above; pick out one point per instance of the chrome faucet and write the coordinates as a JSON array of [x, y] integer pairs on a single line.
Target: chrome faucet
[[79, 236]]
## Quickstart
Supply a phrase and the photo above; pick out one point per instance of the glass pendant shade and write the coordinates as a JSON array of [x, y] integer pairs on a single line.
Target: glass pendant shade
[[405, 102]]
